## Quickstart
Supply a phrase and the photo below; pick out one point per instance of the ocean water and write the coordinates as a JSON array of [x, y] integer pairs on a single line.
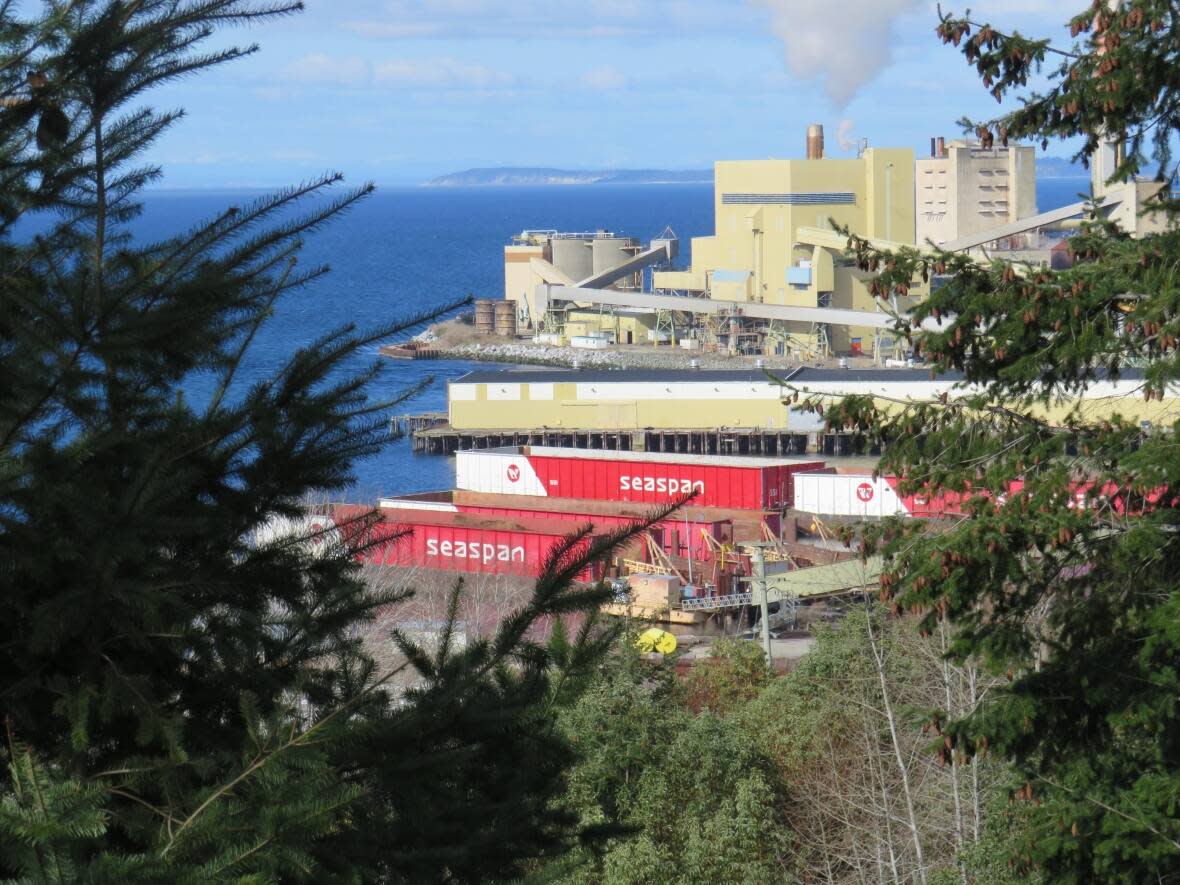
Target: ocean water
[[402, 251], [405, 250]]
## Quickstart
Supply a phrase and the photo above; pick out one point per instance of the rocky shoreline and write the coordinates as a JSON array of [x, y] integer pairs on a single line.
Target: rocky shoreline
[[571, 357]]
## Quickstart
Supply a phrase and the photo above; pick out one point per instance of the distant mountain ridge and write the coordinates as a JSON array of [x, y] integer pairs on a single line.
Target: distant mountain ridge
[[537, 175], [1060, 167], [1047, 167]]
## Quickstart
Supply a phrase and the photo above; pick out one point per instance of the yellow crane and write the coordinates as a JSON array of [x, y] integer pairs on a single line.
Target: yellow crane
[[660, 564]]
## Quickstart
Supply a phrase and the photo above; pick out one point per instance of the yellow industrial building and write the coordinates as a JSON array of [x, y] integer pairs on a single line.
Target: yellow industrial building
[[760, 206], [616, 400], [774, 243], [774, 277], [674, 399], [623, 325]]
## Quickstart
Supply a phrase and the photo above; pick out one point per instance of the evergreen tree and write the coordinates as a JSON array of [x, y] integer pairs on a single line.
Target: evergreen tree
[[184, 692], [1065, 576]]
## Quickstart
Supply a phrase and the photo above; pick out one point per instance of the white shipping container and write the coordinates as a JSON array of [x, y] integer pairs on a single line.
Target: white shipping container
[[843, 494], [497, 472], [589, 342]]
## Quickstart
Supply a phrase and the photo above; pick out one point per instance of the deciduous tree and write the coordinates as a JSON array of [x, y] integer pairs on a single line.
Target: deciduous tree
[[1065, 576]]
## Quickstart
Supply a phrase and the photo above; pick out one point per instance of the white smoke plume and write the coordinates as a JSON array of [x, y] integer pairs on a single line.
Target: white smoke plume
[[844, 44], [844, 135]]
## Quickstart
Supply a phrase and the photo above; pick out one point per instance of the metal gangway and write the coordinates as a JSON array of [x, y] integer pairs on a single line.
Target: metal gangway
[[715, 603]]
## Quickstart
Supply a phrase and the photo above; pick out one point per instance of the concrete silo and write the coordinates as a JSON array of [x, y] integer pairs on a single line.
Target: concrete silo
[[572, 256], [610, 252]]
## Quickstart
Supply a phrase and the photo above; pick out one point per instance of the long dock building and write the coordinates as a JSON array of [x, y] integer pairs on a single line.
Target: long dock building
[[701, 411]]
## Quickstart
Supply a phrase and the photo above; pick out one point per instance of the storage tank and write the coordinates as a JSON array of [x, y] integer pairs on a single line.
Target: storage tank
[[608, 252], [647, 478], [485, 312], [505, 319], [573, 257]]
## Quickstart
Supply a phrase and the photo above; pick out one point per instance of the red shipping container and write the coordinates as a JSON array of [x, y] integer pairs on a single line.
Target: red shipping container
[[466, 542], [646, 478], [671, 534]]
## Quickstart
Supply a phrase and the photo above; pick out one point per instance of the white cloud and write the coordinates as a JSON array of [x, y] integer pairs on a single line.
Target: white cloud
[[439, 73], [395, 30], [320, 69], [843, 47], [604, 78], [539, 19]]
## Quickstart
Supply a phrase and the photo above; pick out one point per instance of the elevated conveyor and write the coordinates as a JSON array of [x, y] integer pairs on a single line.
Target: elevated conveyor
[[836, 316], [550, 274], [822, 580], [812, 582], [1053, 216], [657, 251]]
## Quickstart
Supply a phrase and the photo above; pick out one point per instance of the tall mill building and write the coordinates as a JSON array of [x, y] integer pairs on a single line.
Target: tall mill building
[[964, 189], [774, 243]]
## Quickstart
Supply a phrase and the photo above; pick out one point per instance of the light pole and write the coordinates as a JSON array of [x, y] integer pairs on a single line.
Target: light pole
[[757, 566]]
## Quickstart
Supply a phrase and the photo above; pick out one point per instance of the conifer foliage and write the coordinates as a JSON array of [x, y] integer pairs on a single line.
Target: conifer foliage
[[1064, 577], [183, 693]]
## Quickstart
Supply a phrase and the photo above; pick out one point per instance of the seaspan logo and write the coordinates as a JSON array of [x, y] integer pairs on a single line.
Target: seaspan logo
[[317, 534], [864, 491], [665, 484], [472, 550], [513, 473]]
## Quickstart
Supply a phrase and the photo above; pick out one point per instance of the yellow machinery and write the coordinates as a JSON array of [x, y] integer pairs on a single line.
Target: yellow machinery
[[656, 640], [660, 564]]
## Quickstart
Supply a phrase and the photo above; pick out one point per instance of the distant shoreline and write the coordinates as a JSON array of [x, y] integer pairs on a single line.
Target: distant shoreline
[[544, 176], [457, 185]]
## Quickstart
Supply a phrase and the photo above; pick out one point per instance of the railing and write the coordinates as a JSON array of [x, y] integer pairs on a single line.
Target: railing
[[711, 603], [530, 237], [635, 567]]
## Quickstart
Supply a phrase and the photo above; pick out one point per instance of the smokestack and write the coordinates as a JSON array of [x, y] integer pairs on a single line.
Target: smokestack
[[815, 142], [940, 144]]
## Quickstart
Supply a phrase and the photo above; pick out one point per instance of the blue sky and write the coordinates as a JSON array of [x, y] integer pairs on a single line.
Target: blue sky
[[397, 91]]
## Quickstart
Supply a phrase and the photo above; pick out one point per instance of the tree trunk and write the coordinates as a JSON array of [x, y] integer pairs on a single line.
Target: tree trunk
[[891, 718], [952, 712]]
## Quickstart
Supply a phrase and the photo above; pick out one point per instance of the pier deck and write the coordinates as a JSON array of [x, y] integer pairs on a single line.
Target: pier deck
[[442, 439]]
